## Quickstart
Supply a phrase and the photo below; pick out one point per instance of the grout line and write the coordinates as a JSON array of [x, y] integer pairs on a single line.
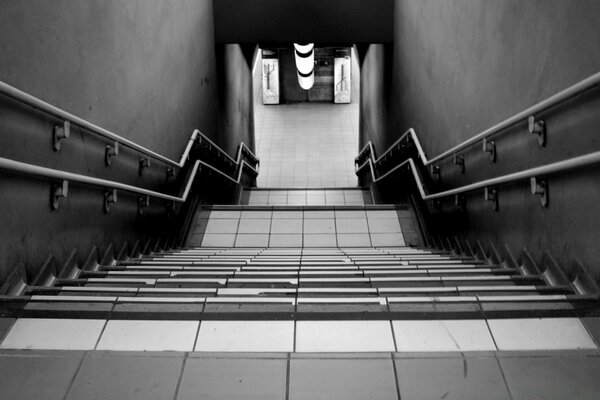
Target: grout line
[[180, 378], [72, 382], [287, 377], [101, 333], [491, 334], [295, 326], [197, 334], [393, 333], [503, 375], [393, 361]]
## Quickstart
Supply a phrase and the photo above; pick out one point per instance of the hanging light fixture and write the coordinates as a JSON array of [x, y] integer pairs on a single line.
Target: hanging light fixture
[[305, 64]]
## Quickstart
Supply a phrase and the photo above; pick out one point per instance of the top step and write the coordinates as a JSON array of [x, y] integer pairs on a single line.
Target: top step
[[306, 197]]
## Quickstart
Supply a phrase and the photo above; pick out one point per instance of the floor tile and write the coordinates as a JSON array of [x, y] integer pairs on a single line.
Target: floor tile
[[336, 336], [286, 226], [222, 226], [349, 214], [351, 225], [357, 379], [450, 379], [138, 335], [354, 239], [444, 335], [218, 240], [382, 214], [319, 214], [320, 240], [254, 226], [319, 226], [285, 240], [53, 334], [549, 378], [252, 240], [127, 378], [234, 378], [256, 214], [387, 239], [287, 215], [384, 225], [36, 377], [267, 336], [540, 334], [225, 214]]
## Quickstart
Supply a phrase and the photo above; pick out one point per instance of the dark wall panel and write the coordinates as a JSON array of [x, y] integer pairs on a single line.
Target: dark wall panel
[[461, 66], [144, 69]]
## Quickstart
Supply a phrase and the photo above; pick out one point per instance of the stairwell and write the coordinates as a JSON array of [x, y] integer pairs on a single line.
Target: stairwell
[[278, 298]]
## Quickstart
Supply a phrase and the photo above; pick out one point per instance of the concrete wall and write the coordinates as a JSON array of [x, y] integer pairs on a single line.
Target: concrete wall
[[461, 66], [145, 69], [236, 104]]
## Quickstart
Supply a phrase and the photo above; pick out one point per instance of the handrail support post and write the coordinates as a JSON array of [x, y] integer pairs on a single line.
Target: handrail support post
[[110, 152], [491, 194], [144, 163], [58, 191], [460, 161], [539, 186], [110, 196], [489, 146], [537, 127], [61, 133]]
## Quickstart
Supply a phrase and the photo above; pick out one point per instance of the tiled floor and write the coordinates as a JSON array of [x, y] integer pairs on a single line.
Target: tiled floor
[[301, 336], [303, 228], [181, 376], [306, 144]]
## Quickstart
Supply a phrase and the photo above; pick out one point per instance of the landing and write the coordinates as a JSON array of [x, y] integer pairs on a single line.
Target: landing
[[307, 144]]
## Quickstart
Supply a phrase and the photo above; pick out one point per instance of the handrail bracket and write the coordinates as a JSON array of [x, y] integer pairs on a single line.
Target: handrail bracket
[[61, 133], [539, 186], [537, 127], [57, 192]]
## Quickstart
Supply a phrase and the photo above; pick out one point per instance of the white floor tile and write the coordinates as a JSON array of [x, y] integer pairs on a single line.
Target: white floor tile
[[387, 239], [242, 336], [354, 239], [444, 335], [285, 240], [319, 226], [252, 240], [218, 240], [351, 225], [343, 336], [286, 226], [254, 225], [320, 240], [53, 334], [378, 225], [540, 334], [134, 335], [222, 225]]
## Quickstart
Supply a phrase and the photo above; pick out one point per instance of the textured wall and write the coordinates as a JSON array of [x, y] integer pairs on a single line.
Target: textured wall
[[144, 69], [460, 66], [235, 96]]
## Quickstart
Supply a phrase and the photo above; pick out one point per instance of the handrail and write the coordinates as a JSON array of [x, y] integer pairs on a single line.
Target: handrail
[[545, 170], [551, 101], [20, 167], [39, 104]]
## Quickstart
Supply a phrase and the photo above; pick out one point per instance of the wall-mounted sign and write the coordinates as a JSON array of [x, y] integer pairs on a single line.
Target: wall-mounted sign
[[341, 80], [270, 80]]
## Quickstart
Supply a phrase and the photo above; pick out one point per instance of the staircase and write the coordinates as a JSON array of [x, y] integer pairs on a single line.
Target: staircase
[[278, 298]]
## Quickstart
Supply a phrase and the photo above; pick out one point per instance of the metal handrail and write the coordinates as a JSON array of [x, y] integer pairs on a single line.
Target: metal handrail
[[36, 103], [542, 171], [551, 101], [20, 167]]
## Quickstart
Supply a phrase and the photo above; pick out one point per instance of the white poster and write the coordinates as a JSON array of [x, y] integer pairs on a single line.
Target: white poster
[[270, 80], [341, 80]]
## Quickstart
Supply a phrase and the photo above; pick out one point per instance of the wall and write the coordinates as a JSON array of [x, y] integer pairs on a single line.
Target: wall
[[236, 106], [144, 69], [461, 66], [375, 73]]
